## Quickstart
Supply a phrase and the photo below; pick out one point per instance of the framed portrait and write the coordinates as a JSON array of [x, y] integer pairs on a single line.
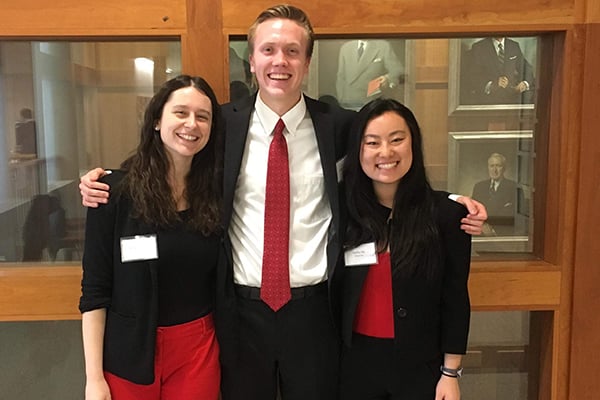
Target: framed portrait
[[483, 77], [354, 71], [490, 167]]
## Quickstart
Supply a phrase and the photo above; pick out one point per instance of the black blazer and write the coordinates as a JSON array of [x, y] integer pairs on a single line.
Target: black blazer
[[331, 125], [431, 317], [128, 291]]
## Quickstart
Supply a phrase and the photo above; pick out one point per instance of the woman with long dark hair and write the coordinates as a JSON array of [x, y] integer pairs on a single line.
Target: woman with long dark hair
[[151, 254], [405, 299]]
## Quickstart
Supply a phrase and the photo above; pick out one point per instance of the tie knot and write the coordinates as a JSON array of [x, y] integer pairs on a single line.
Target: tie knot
[[279, 128]]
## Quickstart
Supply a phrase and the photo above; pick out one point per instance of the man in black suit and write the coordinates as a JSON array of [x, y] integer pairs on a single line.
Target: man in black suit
[[498, 194], [497, 73], [295, 345], [293, 348]]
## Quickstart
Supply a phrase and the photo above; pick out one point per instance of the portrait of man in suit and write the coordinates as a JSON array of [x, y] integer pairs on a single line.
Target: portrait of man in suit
[[495, 71], [367, 69], [498, 194]]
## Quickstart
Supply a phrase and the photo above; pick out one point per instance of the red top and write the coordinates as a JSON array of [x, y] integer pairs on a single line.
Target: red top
[[375, 311]]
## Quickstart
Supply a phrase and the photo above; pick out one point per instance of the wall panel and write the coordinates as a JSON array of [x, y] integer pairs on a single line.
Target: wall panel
[[412, 16], [584, 383], [84, 17]]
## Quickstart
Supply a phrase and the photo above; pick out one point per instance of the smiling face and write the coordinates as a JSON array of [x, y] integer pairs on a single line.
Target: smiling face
[[185, 123], [280, 62], [386, 153]]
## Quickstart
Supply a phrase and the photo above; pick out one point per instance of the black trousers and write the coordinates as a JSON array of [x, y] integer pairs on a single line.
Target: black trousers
[[373, 370], [294, 351]]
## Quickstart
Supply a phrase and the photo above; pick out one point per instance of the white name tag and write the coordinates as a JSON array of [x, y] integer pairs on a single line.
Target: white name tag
[[365, 254], [139, 248]]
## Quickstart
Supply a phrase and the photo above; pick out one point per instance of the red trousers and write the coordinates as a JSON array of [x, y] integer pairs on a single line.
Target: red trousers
[[186, 366]]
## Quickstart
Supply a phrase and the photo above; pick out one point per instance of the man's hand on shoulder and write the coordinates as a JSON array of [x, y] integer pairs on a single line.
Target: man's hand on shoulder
[[93, 193], [473, 222]]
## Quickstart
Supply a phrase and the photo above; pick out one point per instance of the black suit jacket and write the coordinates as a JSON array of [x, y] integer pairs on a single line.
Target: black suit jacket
[[331, 125], [128, 291], [431, 317], [484, 66]]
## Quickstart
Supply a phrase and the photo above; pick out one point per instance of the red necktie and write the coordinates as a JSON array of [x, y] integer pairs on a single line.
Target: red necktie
[[275, 287]]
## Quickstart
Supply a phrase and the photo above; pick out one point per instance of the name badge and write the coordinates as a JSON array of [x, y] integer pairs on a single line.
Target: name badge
[[365, 254], [139, 248]]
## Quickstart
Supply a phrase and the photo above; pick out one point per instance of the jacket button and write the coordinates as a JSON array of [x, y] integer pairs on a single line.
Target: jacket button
[[401, 312]]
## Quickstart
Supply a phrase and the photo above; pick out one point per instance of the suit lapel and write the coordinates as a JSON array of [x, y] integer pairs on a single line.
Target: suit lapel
[[362, 65], [325, 133], [237, 124]]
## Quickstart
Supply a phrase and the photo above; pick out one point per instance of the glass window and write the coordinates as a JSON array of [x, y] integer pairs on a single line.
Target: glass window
[[66, 107], [476, 102], [502, 360]]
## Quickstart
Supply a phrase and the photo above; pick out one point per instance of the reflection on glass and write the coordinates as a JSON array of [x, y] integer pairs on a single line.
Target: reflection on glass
[[65, 107], [473, 101], [503, 358]]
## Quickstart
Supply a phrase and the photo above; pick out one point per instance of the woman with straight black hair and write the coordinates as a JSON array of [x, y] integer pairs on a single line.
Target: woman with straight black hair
[[151, 254], [405, 301]]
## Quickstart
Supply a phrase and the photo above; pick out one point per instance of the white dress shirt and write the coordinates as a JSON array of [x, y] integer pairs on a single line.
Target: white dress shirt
[[310, 212]]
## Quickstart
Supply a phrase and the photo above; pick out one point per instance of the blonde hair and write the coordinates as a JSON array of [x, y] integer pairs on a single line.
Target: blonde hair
[[284, 11]]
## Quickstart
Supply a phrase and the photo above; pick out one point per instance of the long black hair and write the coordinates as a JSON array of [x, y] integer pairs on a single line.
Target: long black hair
[[146, 181], [411, 233]]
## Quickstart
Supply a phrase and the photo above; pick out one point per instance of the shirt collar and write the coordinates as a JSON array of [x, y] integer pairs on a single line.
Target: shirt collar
[[496, 42], [292, 119]]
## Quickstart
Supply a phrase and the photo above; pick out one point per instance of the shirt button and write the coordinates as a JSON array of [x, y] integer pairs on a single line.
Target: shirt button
[[401, 312]]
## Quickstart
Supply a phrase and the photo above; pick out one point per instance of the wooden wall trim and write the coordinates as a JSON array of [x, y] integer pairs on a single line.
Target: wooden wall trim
[[592, 12], [204, 51], [492, 291], [85, 17], [585, 328], [408, 15], [22, 300]]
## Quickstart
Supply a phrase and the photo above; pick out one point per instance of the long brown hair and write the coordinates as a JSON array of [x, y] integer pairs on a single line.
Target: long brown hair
[[147, 169]]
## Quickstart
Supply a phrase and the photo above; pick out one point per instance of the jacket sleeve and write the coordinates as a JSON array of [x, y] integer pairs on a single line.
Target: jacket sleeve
[[455, 303], [98, 254]]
